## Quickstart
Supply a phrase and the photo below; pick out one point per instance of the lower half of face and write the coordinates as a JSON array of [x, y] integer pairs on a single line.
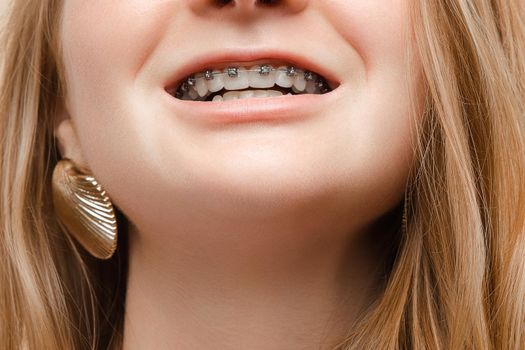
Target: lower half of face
[[344, 155]]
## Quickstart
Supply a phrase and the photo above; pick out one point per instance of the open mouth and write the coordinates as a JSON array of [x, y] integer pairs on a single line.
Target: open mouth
[[258, 81]]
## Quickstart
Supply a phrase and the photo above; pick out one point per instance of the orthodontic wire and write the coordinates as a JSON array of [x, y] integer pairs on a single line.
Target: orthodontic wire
[[265, 69]]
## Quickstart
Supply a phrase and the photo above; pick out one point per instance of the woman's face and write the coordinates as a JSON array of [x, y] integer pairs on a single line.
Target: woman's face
[[166, 163]]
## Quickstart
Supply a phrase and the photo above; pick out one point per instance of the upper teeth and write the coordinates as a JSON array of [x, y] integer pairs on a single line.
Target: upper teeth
[[199, 86]]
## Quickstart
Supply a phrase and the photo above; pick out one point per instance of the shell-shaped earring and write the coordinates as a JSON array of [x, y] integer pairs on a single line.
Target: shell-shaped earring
[[85, 209]]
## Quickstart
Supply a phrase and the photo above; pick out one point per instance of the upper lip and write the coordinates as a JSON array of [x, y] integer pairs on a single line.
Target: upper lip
[[208, 60]]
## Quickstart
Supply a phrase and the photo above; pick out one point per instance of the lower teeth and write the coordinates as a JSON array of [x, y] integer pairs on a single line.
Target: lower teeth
[[240, 95]]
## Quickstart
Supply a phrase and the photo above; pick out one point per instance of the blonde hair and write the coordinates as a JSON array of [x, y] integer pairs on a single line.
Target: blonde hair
[[458, 279]]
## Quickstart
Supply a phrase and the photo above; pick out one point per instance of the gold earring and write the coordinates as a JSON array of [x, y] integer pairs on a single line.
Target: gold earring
[[85, 209]]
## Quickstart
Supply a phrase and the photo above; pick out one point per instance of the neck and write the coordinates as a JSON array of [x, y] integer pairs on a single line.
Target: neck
[[256, 288]]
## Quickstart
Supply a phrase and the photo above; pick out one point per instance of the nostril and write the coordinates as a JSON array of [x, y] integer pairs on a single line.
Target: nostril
[[221, 3], [247, 8], [268, 2]]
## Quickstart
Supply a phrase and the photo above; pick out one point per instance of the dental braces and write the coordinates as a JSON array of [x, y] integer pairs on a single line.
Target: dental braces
[[265, 69], [187, 86], [233, 72]]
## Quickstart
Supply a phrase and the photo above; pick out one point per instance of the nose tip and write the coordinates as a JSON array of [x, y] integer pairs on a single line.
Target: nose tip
[[247, 7]]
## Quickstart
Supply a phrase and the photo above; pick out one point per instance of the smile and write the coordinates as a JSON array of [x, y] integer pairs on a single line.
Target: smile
[[258, 81]]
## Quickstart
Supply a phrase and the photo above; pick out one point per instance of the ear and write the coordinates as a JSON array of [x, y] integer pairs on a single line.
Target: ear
[[67, 140]]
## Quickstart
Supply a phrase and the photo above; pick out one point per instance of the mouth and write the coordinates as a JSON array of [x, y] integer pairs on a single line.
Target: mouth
[[248, 80]]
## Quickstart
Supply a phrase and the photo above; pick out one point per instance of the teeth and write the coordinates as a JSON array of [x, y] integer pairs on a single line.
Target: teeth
[[216, 82], [267, 93], [262, 77], [291, 71], [185, 87], [309, 76], [209, 74], [193, 94], [310, 87], [201, 85], [191, 81], [231, 95], [246, 94], [283, 79], [239, 95], [238, 81], [299, 83]]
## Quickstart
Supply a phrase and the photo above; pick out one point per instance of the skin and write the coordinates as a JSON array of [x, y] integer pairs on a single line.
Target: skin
[[256, 236]]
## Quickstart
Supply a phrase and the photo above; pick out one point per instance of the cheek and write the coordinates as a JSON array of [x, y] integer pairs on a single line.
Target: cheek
[[379, 33], [102, 34], [378, 119], [105, 44], [375, 29]]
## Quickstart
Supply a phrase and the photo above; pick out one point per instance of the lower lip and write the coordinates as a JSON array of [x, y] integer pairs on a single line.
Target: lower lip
[[267, 109]]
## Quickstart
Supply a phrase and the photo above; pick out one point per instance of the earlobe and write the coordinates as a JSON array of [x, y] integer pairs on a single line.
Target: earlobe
[[67, 139]]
